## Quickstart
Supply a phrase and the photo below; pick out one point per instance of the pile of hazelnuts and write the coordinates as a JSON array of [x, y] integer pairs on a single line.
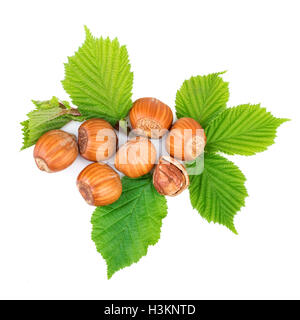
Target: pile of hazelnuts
[[98, 183]]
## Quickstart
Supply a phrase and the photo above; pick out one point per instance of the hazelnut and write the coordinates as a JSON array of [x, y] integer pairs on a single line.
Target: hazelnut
[[99, 184], [150, 117], [55, 151], [186, 140], [97, 140], [136, 157], [170, 177]]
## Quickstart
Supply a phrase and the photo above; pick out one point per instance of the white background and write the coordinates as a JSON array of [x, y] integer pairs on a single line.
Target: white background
[[46, 249]]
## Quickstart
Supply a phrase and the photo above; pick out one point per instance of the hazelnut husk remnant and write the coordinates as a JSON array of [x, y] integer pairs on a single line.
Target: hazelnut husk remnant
[[186, 140], [55, 151], [97, 140], [150, 117], [99, 184], [170, 177]]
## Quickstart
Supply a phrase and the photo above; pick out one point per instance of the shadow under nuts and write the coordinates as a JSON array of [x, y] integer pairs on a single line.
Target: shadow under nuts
[[99, 184], [97, 140], [136, 157], [186, 140], [170, 177], [150, 117], [55, 151]]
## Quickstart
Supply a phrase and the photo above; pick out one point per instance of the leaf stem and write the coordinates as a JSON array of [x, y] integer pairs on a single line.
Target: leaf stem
[[74, 112]]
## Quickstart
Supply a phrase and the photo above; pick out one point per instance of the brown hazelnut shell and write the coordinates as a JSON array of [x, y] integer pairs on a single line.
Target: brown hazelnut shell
[[99, 184], [97, 140], [186, 140], [170, 177], [55, 151], [136, 157], [150, 117]]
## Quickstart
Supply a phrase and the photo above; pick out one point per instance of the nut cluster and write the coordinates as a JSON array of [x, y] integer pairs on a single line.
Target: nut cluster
[[98, 183]]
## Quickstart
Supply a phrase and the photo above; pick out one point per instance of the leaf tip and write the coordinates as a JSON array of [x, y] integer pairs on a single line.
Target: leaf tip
[[283, 120], [221, 72], [109, 274], [233, 229], [87, 31]]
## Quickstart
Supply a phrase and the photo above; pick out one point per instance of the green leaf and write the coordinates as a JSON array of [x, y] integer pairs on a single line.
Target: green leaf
[[245, 130], [202, 98], [219, 192], [99, 80], [123, 230], [48, 115]]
